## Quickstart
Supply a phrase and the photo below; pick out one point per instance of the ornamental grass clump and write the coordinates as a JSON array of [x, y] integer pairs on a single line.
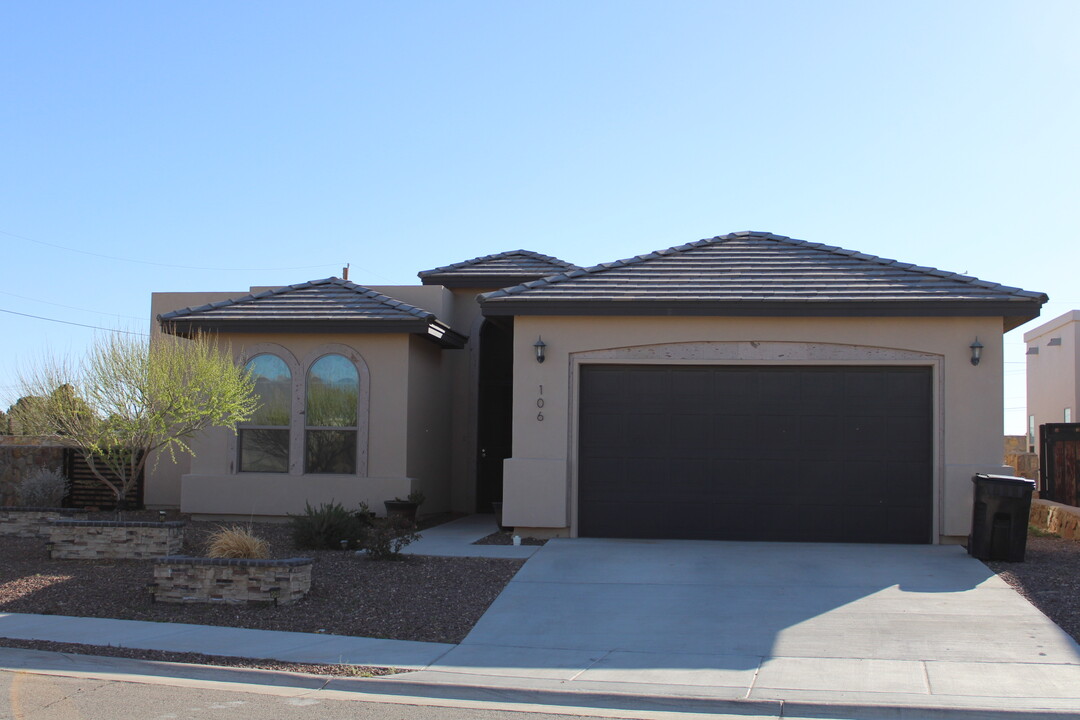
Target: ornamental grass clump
[[42, 487], [238, 543]]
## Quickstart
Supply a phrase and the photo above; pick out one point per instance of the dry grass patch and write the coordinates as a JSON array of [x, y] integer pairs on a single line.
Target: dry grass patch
[[236, 542]]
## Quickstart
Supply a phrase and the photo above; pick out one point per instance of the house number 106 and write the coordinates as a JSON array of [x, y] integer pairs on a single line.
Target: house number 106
[[540, 404]]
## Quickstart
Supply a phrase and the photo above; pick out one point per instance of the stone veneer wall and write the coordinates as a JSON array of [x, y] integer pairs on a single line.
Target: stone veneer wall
[[212, 580], [108, 539], [31, 522], [1063, 520]]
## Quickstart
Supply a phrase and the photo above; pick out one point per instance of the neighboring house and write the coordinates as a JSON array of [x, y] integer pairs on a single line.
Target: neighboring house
[[1053, 374], [750, 386]]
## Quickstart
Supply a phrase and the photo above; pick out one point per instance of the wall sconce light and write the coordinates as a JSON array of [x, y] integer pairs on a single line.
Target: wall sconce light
[[539, 345], [976, 352]]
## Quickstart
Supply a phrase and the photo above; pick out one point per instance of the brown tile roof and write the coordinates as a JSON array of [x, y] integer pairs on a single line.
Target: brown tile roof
[[755, 273], [496, 271], [328, 305]]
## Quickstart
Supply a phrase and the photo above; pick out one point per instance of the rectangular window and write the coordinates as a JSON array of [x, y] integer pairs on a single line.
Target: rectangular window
[[331, 451], [263, 441], [264, 450], [1031, 433]]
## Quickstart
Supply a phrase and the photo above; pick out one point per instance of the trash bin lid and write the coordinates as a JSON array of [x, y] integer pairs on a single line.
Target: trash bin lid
[[1007, 479]]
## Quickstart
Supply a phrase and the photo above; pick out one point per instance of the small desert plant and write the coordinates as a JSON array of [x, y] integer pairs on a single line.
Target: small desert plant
[[387, 536], [42, 487], [325, 527], [416, 497], [236, 542]]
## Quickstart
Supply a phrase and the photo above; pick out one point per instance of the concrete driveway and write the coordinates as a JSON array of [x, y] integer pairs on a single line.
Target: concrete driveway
[[881, 624]]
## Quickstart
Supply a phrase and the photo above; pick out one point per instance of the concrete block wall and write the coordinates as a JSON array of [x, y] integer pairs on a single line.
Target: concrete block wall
[[107, 539], [210, 580], [1063, 520], [32, 522]]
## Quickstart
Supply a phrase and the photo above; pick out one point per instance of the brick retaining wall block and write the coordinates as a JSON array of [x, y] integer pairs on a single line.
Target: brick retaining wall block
[[1063, 520], [213, 580], [110, 539], [31, 522]]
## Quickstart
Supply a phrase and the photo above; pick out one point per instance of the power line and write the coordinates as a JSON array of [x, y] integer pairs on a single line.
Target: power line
[[157, 264], [67, 322], [70, 307]]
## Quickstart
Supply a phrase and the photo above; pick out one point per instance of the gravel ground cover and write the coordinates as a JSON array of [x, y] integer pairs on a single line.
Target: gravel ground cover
[[200, 659], [429, 599], [417, 598], [1049, 578]]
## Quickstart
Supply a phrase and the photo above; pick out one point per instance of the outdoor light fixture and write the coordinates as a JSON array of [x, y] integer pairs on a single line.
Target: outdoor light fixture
[[539, 345], [976, 352]]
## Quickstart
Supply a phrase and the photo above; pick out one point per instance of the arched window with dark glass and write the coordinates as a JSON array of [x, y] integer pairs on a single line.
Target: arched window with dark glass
[[264, 441], [333, 390]]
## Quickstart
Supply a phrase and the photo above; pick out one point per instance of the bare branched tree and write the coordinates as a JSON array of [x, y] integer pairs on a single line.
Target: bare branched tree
[[130, 397]]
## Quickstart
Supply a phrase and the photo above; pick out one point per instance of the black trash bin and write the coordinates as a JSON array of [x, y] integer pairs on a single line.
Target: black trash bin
[[999, 519]]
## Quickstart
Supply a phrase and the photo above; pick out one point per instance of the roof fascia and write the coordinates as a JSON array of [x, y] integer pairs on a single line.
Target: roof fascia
[[1024, 310]]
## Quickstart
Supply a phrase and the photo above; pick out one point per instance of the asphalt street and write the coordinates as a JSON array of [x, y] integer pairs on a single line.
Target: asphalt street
[[32, 696]]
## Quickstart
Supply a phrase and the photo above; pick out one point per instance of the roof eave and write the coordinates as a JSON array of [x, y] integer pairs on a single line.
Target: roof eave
[[1015, 311], [186, 326]]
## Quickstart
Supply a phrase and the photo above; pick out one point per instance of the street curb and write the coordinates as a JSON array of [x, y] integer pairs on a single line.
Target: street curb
[[685, 703], [511, 698]]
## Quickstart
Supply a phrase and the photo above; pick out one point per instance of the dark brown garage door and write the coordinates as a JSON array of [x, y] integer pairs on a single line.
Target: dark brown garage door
[[824, 454]]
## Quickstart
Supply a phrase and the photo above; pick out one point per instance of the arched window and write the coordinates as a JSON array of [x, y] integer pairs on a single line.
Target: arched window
[[333, 390], [264, 441]]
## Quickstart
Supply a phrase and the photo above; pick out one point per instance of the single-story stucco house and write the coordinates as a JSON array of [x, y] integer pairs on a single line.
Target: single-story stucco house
[[748, 386]]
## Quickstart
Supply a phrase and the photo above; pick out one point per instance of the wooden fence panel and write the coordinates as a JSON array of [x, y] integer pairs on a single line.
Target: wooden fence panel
[[1059, 445], [89, 492]]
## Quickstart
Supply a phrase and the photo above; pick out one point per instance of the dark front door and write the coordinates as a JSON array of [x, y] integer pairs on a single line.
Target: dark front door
[[830, 454], [494, 409]]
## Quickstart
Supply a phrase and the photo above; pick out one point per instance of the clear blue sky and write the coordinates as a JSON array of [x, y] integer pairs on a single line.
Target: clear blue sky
[[229, 144]]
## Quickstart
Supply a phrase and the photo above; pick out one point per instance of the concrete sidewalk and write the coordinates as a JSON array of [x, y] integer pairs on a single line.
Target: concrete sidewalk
[[651, 627]]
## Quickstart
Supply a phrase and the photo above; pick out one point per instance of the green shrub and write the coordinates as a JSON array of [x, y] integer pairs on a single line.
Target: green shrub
[[324, 528], [387, 536]]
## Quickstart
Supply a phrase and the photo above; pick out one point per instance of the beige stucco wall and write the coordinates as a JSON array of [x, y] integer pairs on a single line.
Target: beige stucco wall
[[463, 368], [540, 477], [422, 396], [1053, 375], [214, 486], [406, 447], [163, 473], [428, 448]]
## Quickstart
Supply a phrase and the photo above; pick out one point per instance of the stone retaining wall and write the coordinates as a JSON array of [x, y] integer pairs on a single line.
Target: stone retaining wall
[[32, 522], [1063, 520], [212, 580], [108, 539]]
